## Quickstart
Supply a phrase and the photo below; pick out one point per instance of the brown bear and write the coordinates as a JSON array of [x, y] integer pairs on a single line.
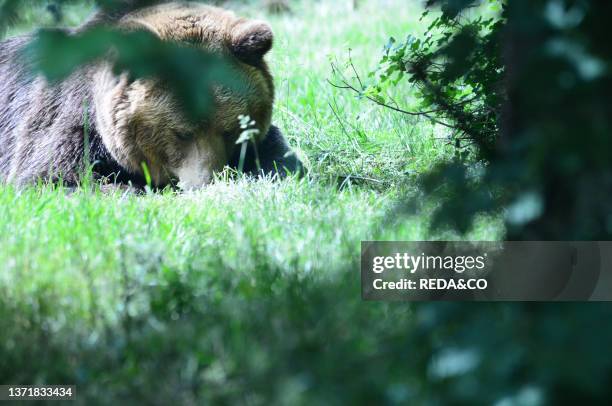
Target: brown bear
[[130, 122]]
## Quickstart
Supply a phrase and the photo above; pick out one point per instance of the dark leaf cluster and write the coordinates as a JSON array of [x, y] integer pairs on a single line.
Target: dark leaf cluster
[[189, 73]]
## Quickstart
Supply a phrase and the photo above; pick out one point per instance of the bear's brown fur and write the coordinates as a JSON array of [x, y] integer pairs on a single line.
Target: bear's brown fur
[[42, 126]]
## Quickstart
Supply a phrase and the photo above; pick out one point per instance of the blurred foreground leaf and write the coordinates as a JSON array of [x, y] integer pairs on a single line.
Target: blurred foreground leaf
[[188, 72]]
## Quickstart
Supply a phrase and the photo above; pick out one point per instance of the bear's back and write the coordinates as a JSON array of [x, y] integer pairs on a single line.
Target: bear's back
[[14, 91], [41, 125]]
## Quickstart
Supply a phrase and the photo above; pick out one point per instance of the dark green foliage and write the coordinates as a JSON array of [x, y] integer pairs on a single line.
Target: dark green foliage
[[529, 90], [261, 337], [556, 141], [13, 11], [552, 169], [188, 72]]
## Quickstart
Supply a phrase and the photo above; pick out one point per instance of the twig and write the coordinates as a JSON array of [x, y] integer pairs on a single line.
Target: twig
[[339, 121], [355, 69]]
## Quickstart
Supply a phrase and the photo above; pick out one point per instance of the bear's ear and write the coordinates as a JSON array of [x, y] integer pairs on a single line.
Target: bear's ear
[[251, 40]]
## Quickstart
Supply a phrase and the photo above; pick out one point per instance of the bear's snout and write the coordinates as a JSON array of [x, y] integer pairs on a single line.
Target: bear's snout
[[205, 156]]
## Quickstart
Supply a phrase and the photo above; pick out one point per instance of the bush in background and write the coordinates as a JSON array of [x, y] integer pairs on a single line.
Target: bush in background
[[523, 96]]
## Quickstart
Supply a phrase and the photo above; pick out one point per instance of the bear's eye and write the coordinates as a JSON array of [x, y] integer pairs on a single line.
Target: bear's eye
[[183, 136]]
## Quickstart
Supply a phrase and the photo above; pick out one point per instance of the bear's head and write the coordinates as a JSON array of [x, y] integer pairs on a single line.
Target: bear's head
[[140, 121]]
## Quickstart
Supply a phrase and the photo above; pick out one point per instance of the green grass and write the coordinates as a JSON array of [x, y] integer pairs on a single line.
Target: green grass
[[241, 283], [339, 134]]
